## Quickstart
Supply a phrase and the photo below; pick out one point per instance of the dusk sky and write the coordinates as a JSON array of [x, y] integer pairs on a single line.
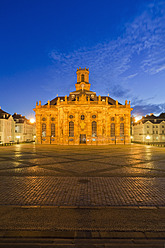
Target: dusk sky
[[43, 42]]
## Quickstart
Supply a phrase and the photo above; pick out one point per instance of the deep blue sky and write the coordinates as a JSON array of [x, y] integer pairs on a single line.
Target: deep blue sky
[[42, 42]]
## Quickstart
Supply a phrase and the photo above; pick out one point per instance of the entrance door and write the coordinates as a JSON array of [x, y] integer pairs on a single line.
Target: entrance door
[[82, 138]]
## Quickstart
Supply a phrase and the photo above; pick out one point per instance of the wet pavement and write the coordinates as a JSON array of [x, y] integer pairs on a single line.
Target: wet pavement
[[82, 196], [130, 175]]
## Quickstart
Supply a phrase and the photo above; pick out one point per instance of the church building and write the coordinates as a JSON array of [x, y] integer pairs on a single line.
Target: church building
[[83, 118]]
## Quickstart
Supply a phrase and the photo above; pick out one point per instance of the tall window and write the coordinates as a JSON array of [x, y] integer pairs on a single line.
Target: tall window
[[112, 129], [82, 78], [43, 130], [121, 129], [52, 130], [71, 129], [94, 129]]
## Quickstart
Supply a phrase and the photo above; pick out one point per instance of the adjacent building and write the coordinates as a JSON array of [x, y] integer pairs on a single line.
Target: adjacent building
[[24, 130], [7, 126], [150, 129], [83, 117]]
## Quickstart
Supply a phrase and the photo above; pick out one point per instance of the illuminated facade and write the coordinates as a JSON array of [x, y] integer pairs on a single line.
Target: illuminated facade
[[150, 129], [83, 118], [24, 130], [7, 126]]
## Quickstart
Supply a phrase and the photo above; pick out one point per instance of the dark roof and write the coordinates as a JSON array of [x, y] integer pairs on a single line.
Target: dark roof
[[110, 100], [19, 118], [153, 119], [4, 115]]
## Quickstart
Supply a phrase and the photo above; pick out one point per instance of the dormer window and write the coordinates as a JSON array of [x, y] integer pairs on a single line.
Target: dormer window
[[82, 78]]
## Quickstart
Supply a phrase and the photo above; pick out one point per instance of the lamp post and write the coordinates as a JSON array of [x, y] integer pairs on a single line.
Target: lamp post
[[148, 138], [18, 137]]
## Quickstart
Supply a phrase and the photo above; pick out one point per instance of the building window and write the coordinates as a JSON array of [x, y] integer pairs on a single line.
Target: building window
[[82, 117], [112, 129], [121, 119], [71, 129], [43, 119], [153, 132], [156, 126], [162, 131], [93, 116], [121, 129], [147, 132], [43, 130], [53, 119], [156, 132], [82, 78], [147, 126], [52, 130], [162, 126], [113, 118], [71, 116], [94, 129], [153, 126]]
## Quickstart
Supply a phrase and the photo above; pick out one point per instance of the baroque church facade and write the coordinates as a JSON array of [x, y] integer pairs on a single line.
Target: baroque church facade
[[83, 118]]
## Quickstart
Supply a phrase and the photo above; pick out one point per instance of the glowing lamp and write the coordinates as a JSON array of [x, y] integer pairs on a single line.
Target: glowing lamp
[[18, 137], [137, 118], [147, 137], [32, 120]]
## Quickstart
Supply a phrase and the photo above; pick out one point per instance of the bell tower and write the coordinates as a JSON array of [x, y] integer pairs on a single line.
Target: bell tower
[[82, 79]]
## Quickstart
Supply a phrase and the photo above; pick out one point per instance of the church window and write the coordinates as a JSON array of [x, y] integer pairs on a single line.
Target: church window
[[43, 119], [94, 129], [82, 117], [93, 116], [112, 129], [121, 129], [112, 119], [71, 129], [71, 116], [82, 78], [53, 119], [121, 119], [43, 130], [52, 130]]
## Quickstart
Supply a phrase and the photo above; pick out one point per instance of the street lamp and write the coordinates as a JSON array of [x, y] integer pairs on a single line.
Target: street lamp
[[32, 120], [17, 137], [148, 138]]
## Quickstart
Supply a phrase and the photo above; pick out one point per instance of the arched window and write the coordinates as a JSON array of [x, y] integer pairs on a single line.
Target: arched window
[[43, 130], [112, 129], [71, 129], [52, 130], [121, 129], [82, 78], [94, 129]]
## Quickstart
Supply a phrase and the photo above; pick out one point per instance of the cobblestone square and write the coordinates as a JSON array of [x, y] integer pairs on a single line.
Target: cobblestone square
[[50, 175]]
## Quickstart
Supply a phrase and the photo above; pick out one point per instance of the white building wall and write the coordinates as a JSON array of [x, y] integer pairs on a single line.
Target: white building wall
[[7, 127], [156, 132]]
